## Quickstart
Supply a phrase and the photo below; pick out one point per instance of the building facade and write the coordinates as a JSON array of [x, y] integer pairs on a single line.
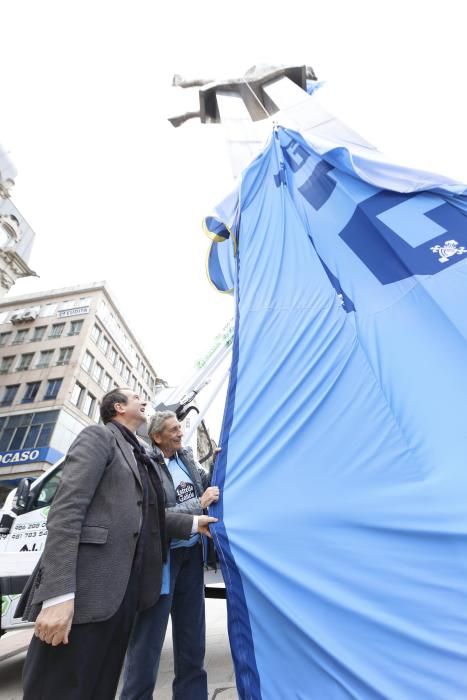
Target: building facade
[[60, 352], [16, 236]]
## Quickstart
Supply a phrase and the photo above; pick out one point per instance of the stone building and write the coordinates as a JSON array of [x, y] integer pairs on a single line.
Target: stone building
[[16, 236], [60, 352]]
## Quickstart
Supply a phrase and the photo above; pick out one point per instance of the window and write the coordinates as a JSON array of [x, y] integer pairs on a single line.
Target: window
[[4, 339], [25, 361], [89, 405], [38, 333], [48, 489], [20, 336], [120, 364], [112, 356], [96, 334], [32, 436], [88, 359], [18, 437], [45, 434], [9, 394], [126, 375], [97, 413], [97, 372], [104, 344], [27, 430], [53, 387], [5, 438], [8, 230], [133, 383], [56, 330], [45, 359], [107, 382], [6, 363], [77, 394], [31, 392], [64, 356], [75, 327]]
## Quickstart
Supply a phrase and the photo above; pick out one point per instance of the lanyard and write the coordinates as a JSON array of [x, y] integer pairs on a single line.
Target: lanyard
[[181, 466]]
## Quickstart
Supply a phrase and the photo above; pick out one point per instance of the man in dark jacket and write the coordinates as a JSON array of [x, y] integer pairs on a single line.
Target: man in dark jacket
[[103, 558], [187, 490]]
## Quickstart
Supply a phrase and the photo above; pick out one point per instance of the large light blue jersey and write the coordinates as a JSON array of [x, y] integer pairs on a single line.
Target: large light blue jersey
[[343, 533]]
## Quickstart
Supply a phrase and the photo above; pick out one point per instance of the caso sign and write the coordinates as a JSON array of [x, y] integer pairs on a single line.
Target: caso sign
[[19, 456], [37, 454]]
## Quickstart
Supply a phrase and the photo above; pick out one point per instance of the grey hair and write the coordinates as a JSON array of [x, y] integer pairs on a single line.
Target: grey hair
[[156, 424]]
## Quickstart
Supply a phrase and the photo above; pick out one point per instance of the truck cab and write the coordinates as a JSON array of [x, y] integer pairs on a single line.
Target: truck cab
[[23, 531]]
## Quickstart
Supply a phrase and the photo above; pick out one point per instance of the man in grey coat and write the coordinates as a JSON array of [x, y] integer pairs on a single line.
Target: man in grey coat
[[103, 558], [187, 490]]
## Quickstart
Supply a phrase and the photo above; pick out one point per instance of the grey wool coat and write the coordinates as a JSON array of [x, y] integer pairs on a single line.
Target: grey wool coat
[[93, 527]]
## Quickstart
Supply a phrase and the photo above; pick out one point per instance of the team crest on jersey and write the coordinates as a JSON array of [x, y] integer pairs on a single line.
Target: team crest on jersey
[[447, 250]]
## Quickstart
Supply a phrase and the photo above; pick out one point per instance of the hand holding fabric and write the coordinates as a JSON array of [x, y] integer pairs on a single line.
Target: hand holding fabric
[[203, 524], [211, 495]]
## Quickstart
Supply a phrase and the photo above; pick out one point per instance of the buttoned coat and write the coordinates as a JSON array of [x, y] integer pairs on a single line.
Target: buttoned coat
[[93, 527]]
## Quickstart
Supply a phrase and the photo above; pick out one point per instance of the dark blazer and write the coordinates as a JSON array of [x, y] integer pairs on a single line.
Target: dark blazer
[[93, 527]]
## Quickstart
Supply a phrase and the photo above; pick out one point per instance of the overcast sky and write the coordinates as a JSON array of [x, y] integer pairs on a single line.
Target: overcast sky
[[114, 192]]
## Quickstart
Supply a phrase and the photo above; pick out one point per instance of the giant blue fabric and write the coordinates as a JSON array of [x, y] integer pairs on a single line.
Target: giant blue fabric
[[343, 532]]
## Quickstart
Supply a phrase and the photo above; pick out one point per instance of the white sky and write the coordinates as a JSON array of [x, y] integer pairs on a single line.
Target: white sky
[[114, 192]]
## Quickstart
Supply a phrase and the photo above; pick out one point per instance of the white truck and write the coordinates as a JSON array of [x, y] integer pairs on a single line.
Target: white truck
[[23, 531]]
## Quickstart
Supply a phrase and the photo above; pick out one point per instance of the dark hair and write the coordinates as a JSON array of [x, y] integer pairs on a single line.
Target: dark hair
[[108, 404]]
